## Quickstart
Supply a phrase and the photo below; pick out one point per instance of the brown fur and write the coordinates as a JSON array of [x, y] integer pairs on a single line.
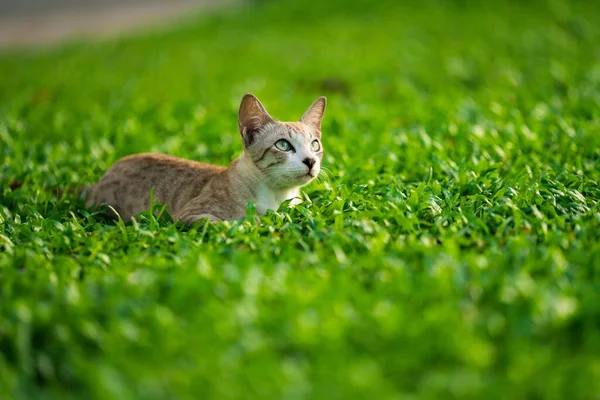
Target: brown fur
[[192, 190]]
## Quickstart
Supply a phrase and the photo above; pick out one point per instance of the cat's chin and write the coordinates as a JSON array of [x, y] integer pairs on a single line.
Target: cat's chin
[[294, 182], [305, 179]]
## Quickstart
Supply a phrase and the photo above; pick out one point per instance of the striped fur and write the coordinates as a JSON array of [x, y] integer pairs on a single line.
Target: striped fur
[[191, 190]]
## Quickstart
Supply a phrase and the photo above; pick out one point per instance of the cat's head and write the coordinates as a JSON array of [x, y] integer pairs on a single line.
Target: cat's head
[[286, 154]]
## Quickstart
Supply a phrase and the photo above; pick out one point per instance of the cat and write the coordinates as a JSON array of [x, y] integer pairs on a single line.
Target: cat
[[277, 159]]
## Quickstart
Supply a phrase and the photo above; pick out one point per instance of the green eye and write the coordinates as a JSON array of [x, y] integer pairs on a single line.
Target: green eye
[[283, 145], [315, 146]]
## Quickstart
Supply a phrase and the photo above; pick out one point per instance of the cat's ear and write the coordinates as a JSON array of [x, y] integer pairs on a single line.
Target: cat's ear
[[251, 118], [314, 113]]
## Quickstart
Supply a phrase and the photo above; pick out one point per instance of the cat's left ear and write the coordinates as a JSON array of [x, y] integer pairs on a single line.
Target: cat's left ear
[[252, 117], [314, 113]]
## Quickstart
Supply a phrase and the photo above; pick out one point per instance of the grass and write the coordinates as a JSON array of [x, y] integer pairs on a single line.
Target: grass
[[454, 251]]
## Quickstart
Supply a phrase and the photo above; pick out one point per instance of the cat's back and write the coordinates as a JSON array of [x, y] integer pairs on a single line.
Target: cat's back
[[156, 169], [164, 164]]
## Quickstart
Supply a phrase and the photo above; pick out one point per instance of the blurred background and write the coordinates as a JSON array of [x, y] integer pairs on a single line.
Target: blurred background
[[452, 252], [39, 22]]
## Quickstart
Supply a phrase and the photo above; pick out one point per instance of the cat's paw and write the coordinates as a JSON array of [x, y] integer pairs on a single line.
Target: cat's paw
[[189, 220]]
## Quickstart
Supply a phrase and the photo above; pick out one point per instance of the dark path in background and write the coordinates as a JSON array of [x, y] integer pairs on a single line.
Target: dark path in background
[[36, 7], [39, 22]]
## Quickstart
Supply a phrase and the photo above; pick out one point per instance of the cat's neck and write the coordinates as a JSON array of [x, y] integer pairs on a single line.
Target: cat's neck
[[248, 185]]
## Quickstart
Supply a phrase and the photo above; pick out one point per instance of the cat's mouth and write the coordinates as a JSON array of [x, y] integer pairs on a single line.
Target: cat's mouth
[[303, 178], [310, 175], [312, 172]]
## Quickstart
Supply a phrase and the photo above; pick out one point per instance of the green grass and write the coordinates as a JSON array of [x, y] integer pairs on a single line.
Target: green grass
[[454, 251]]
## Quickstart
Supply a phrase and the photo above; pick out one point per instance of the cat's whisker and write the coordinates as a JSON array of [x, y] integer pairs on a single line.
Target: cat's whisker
[[326, 171]]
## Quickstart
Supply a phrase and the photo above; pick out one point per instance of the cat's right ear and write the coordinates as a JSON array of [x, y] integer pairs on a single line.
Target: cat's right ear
[[251, 118]]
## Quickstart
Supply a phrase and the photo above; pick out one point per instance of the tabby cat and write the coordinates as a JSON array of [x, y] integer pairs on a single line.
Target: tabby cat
[[278, 158]]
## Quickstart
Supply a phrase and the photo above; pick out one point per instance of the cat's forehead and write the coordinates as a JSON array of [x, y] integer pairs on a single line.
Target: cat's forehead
[[295, 126], [295, 130]]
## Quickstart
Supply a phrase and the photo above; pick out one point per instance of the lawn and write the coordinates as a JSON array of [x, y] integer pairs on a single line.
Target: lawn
[[452, 249]]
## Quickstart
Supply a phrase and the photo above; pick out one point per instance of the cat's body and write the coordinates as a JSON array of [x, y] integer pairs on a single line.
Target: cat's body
[[278, 158], [190, 190]]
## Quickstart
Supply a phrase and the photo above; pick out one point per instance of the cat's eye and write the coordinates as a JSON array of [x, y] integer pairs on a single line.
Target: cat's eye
[[315, 146], [283, 145]]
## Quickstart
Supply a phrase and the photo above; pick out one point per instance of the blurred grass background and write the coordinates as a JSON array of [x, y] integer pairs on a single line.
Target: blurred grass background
[[453, 251]]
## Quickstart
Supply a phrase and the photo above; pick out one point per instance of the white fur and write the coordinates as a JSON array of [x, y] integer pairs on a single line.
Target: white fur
[[271, 199], [248, 179]]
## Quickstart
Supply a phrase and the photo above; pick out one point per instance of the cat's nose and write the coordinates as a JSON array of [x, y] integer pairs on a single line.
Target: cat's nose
[[309, 162]]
